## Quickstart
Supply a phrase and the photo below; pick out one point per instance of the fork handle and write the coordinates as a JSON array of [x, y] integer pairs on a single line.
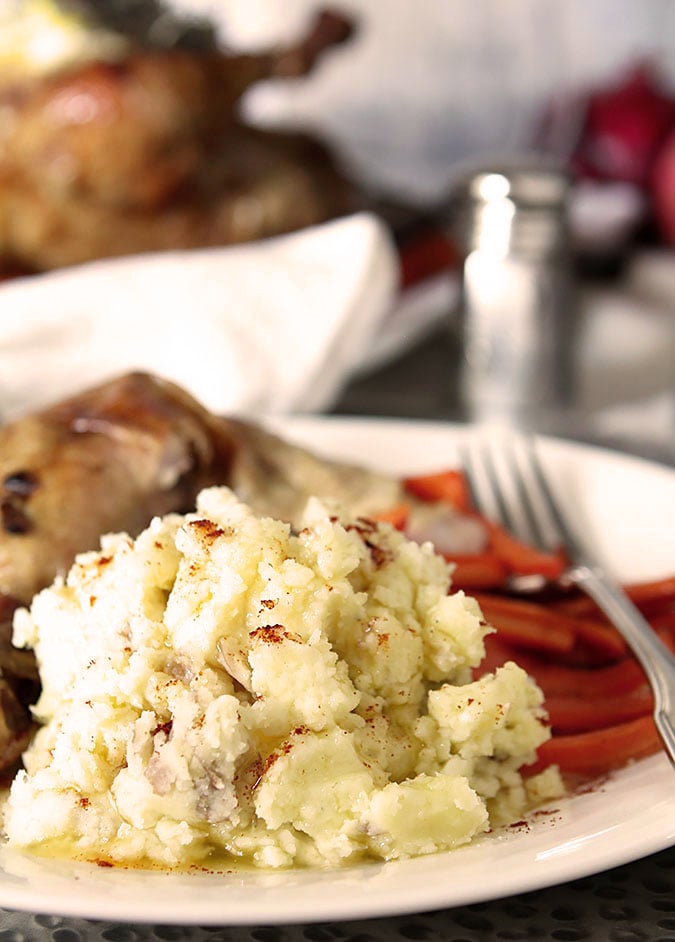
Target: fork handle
[[656, 659]]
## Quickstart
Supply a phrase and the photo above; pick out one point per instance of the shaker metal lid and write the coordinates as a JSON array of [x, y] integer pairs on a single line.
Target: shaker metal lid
[[527, 180]]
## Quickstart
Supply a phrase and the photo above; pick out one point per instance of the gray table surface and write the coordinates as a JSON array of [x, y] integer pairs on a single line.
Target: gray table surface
[[631, 903]]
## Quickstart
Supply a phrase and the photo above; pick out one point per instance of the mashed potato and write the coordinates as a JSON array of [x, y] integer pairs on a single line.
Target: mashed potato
[[222, 685]]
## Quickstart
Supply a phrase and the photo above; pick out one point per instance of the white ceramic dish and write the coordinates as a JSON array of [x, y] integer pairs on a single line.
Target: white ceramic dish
[[627, 508]]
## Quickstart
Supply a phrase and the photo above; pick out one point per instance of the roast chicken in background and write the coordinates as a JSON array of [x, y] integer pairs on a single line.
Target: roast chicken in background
[[108, 460], [145, 152]]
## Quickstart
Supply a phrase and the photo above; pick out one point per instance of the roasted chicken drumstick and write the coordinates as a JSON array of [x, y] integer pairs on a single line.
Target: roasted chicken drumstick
[[110, 459], [148, 153]]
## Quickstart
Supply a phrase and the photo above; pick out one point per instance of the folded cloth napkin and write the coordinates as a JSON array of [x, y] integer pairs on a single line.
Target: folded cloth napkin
[[283, 325], [277, 326]]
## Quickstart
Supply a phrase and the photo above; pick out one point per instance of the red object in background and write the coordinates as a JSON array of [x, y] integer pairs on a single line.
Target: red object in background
[[663, 189], [625, 126], [426, 253]]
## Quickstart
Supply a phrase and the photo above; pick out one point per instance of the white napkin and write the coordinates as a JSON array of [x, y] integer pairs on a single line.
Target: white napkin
[[276, 326], [282, 326]]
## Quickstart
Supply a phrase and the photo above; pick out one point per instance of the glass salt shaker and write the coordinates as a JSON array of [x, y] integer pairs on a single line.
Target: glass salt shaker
[[516, 303]]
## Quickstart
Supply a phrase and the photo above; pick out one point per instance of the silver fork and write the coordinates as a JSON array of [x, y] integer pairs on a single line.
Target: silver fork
[[509, 485]]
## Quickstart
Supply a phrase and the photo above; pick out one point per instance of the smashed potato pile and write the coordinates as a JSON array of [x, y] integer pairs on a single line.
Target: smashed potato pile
[[223, 685]]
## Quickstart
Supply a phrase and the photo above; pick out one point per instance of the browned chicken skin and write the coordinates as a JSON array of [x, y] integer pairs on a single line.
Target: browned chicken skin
[[258, 185], [147, 153], [132, 134], [108, 459], [111, 458]]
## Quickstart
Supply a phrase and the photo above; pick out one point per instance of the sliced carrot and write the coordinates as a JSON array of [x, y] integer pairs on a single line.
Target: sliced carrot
[[448, 487], [477, 571], [649, 597], [597, 642], [578, 606], [660, 592], [664, 626], [600, 751], [559, 680], [588, 680], [531, 636], [521, 558], [577, 714], [526, 624], [597, 638], [496, 654], [615, 680], [397, 515], [602, 638]]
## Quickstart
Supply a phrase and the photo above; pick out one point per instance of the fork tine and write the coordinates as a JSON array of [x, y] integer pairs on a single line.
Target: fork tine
[[563, 535], [495, 484], [523, 492], [499, 483], [479, 473], [480, 490], [533, 494], [467, 466]]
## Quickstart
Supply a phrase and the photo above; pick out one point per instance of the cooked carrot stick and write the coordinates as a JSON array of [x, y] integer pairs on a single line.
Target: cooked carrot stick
[[618, 679], [477, 571], [594, 753], [650, 598], [552, 640], [612, 681], [528, 625], [578, 714], [664, 626], [496, 654], [602, 638], [448, 487], [578, 606], [521, 558], [397, 515], [645, 594]]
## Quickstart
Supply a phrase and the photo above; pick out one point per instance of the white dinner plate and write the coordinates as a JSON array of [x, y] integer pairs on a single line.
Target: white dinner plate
[[627, 511]]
